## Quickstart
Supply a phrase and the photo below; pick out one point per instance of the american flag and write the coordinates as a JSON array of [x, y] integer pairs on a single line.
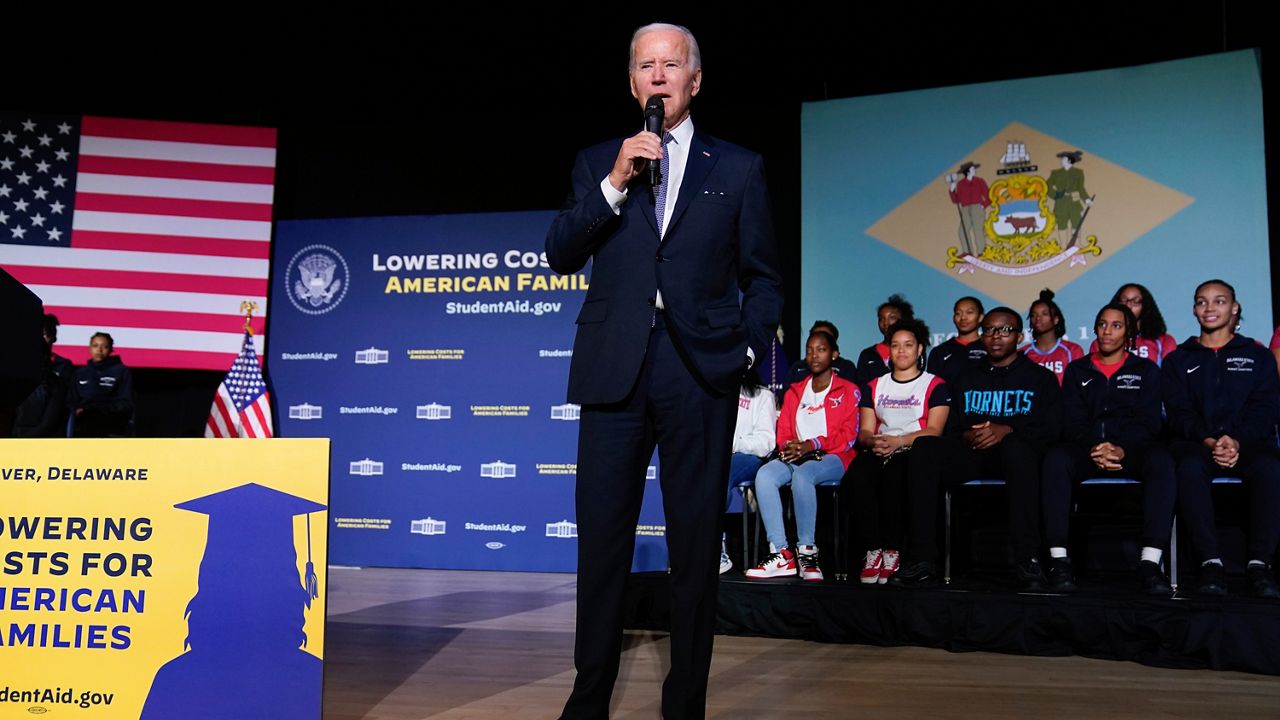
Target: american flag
[[152, 231], [242, 407]]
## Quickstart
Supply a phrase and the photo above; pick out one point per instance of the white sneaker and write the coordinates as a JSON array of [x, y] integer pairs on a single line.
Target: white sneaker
[[807, 556], [889, 566], [781, 563], [871, 568]]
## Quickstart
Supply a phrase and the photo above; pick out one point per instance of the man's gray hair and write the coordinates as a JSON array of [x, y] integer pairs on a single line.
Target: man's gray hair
[[695, 55]]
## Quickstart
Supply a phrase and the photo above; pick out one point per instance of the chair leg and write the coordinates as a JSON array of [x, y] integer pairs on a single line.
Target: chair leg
[[746, 509], [946, 534], [835, 530], [1173, 555], [755, 543]]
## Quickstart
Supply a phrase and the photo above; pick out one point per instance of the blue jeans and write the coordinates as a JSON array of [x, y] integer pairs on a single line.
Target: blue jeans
[[804, 479], [742, 467]]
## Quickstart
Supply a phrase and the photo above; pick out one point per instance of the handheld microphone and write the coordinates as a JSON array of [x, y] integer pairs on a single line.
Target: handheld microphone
[[654, 114]]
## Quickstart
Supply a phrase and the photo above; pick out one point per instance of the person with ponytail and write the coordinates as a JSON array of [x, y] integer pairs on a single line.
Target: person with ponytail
[[1111, 428], [1049, 347], [897, 408], [1222, 398]]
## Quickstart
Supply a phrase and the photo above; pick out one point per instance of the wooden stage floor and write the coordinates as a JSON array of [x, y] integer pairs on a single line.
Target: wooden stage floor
[[477, 645]]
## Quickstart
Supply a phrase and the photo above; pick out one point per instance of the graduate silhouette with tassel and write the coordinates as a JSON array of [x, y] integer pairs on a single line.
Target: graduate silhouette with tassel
[[243, 655]]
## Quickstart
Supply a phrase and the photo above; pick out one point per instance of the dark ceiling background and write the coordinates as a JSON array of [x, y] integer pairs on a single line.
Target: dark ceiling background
[[387, 110]]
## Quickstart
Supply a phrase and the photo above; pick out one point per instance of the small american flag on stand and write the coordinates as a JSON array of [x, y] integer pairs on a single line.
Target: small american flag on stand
[[242, 407]]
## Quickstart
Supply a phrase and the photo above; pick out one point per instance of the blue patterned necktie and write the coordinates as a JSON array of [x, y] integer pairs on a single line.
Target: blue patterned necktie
[[660, 204]]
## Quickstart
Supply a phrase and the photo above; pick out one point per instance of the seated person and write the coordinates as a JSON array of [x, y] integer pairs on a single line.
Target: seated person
[[1048, 347], [873, 361], [1111, 421], [103, 399], [753, 440], [800, 368], [1222, 397], [1153, 341], [896, 409], [44, 412], [1004, 412], [948, 359], [817, 431], [62, 367]]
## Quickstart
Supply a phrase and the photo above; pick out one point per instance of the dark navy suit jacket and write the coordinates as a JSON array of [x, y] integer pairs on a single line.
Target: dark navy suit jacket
[[716, 268]]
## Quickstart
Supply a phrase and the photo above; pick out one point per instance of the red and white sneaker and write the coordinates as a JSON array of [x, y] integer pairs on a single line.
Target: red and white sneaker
[[780, 563], [889, 566], [807, 556], [871, 568]]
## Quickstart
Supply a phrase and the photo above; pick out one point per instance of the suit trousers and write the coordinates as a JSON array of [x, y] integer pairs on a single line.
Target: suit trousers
[[693, 430]]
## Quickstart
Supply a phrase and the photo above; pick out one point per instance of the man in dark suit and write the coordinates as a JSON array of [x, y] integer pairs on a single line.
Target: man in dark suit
[[684, 294]]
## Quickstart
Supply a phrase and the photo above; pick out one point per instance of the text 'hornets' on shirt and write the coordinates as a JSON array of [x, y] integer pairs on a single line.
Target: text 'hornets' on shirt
[[999, 403]]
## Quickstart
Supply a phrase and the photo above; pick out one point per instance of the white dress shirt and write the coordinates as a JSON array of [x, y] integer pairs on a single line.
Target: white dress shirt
[[677, 157]]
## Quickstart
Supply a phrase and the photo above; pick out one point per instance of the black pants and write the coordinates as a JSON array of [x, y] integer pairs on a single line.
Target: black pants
[[1259, 467], [948, 460], [1069, 463], [693, 429], [879, 499]]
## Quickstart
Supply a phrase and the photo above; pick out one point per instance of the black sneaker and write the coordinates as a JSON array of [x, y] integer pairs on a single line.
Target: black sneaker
[[1152, 579], [1029, 575], [1213, 579], [1262, 582], [916, 574], [1061, 580]]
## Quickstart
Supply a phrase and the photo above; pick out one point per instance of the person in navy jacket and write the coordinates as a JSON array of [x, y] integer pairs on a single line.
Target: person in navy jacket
[[103, 398], [685, 294], [1111, 424], [1222, 396], [873, 361], [1006, 411], [948, 359]]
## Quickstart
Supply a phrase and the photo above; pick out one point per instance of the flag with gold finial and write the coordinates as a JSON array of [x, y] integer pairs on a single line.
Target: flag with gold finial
[[242, 405]]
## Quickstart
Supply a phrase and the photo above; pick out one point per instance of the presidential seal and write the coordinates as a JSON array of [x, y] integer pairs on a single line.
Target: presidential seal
[[318, 278]]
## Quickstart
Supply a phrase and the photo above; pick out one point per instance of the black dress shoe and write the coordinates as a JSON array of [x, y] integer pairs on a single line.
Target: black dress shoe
[[917, 574], [1213, 579], [1030, 576], [1060, 578], [1262, 582], [1153, 580]]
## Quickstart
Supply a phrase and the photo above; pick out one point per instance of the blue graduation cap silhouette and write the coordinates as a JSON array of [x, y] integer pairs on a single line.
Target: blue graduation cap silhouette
[[243, 656]]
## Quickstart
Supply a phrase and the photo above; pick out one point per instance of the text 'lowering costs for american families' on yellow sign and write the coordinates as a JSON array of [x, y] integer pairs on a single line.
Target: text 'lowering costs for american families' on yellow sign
[[162, 578]]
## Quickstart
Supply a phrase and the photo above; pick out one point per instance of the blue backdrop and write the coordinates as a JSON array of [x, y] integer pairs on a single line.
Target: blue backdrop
[[434, 352], [1172, 153]]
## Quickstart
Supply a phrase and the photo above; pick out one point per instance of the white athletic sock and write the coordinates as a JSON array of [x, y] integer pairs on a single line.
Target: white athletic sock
[[1257, 563], [1057, 552], [1151, 554], [1212, 561], [807, 549]]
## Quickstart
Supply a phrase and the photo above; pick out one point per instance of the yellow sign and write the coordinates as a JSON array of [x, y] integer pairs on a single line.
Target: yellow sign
[[162, 578]]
